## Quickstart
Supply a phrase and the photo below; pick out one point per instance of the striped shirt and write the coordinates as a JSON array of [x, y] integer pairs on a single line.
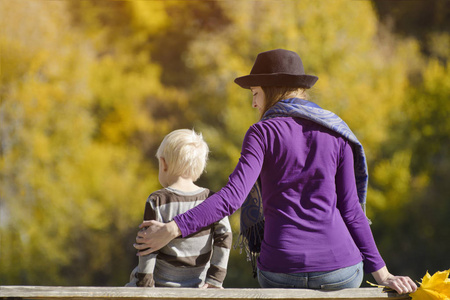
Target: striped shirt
[[191, 261]]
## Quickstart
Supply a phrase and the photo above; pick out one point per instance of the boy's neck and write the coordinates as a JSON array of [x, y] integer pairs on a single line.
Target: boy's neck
[[183, 184]]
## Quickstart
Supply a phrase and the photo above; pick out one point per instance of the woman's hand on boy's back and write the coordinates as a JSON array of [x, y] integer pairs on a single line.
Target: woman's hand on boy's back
[[154, 235]]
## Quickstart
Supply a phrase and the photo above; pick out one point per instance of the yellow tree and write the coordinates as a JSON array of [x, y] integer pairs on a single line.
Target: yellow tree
[[82, 112], [71, 180], [420, 222]]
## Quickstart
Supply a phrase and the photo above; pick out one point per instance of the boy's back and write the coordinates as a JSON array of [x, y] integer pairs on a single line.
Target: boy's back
[[184, 262]]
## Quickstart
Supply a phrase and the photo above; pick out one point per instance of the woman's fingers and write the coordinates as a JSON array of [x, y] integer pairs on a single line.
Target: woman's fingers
[[154, 235], [402, 284]]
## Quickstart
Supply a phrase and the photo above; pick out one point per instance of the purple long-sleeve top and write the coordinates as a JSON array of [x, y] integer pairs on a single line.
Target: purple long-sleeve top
[[313, 219]]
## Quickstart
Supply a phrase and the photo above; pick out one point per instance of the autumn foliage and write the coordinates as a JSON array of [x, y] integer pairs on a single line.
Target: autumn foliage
[[89, 89]]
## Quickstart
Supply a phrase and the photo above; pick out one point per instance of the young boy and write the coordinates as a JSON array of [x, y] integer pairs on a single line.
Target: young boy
[[201, 259]]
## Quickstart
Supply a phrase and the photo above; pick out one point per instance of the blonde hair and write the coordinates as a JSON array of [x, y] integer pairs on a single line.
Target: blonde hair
[[185, 153], [273, 94]]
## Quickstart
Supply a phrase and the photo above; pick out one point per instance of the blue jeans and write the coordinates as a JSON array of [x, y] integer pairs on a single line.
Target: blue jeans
[[349, 277]]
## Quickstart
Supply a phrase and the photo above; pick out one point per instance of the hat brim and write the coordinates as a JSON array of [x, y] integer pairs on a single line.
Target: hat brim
[[288, 80]]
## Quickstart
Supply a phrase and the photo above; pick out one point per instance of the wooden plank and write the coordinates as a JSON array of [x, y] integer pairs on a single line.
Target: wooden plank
[[129, 293]]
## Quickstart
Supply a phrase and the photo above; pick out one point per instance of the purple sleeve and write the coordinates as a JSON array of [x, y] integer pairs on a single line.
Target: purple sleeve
[[353, 214], [232, 195]]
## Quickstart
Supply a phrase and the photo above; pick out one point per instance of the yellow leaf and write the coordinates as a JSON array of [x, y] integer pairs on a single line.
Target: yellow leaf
[[436, 287]]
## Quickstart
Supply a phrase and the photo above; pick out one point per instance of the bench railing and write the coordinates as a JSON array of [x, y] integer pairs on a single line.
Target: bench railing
[[128, 293]]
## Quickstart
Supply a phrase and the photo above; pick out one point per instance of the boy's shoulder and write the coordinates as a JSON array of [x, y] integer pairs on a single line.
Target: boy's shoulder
[[160, 195], [162, 191], [166, 195]]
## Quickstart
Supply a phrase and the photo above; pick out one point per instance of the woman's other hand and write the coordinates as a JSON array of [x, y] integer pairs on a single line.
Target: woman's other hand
[[401, 284]]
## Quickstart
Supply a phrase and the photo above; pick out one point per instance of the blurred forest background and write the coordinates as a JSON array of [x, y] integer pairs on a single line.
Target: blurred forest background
[[89, 88]]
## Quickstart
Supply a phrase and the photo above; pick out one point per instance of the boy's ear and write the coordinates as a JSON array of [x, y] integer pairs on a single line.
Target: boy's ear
[[164, 165]]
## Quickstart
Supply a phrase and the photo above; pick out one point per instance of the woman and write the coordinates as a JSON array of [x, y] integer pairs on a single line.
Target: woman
[[316, 234]]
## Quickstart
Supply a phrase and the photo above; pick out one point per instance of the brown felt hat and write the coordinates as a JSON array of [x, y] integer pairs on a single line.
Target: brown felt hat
[[277, 68]]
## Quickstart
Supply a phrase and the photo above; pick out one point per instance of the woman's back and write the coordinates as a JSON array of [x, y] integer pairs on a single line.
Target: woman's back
[[304, 228]]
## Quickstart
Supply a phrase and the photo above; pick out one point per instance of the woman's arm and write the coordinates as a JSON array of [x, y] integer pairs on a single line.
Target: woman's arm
[[352, 213]]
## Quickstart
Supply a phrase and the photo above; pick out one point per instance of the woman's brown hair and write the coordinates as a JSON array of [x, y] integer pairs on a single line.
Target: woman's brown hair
[[273, 94]]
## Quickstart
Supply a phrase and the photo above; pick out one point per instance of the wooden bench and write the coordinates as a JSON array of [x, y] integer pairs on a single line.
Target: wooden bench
[[129, 293]]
